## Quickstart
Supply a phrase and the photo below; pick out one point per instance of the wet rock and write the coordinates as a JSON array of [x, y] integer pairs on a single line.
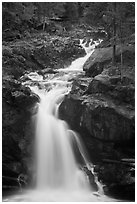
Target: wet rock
[[47, 71], [17, 95], [100, 84], [11, 157], [123, 192], [17, 102], [113, 87], [24, 100], [118, 180], [91, 178], [80, 85], [100, 116]]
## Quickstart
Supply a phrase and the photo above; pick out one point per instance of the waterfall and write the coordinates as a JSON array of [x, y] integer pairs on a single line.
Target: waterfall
[[59, 152], [77, 65], [57, 166]]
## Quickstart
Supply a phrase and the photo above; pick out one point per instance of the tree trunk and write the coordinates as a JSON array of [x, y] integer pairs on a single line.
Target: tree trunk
[[121, 61], [126, 163], [121, 50], [114, 35], [44, 24]]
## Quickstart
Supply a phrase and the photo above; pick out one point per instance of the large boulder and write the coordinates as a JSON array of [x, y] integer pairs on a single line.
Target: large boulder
[[103, 56], [102, 110], [101, 117]]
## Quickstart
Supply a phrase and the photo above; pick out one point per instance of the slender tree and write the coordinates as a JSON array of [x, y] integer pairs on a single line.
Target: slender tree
[[114, 34]]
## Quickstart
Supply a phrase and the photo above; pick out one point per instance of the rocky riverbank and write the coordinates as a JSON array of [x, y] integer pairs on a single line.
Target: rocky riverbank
[[100, 107]]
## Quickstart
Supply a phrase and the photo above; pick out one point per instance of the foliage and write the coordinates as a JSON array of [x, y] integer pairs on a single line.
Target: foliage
[[120, 18], [124, 15], [23, 15], [93, 12], [48, 9]]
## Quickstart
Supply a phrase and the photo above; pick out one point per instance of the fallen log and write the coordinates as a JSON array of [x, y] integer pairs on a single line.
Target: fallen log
[[128, 160], [127, 163]]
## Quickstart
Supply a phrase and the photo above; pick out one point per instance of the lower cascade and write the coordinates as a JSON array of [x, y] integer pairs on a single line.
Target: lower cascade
[[59, 155], [57, 166]]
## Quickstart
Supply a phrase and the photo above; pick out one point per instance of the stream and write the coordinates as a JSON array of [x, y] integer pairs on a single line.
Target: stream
[[59, 152]]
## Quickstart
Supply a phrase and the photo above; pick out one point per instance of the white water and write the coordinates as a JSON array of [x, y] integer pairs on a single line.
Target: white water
[[77, 65], [57, 167], [58, 172]]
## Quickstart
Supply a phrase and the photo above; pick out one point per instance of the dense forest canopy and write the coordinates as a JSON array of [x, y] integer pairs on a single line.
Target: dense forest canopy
[[116, 18], [92, 13]]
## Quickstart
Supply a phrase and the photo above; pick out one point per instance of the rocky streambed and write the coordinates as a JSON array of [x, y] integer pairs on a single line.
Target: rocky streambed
[[100, 107]]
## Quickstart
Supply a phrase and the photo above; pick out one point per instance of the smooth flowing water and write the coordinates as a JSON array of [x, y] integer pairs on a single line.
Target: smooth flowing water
[[59, 175]]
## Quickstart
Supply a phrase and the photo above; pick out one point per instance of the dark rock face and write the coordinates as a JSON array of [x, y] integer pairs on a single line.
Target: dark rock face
[[16, 103], [119, 179], [101, 109], [104, 109]]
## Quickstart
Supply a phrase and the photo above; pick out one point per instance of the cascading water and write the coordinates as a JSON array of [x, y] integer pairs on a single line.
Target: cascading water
[[59, 176], [77, 65], [56, 163]]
